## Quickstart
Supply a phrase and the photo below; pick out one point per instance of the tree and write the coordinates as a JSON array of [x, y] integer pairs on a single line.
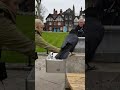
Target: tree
[[38, 7], [40, 10]]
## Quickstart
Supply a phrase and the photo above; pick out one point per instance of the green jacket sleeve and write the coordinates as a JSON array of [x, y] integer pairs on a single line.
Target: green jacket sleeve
[[13, 39], [42, 43]]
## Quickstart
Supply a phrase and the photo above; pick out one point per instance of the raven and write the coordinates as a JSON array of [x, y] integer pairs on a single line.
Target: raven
[[68, 45]]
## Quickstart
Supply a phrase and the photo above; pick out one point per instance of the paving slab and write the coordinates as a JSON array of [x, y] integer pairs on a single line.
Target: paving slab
[[15, 80], [105, 77], [47, 81]]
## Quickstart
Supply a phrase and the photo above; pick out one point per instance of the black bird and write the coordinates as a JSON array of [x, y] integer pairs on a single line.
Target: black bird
[[68, 45]]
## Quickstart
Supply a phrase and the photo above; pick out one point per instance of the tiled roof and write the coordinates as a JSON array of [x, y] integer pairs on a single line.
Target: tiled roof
[[54, 16]]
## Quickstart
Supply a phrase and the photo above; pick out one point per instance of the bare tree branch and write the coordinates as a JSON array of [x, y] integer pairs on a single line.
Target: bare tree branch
[[40, 9]]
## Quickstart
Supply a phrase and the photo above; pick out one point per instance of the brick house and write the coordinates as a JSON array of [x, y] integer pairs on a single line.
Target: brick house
[[55, 22], [69, 16]]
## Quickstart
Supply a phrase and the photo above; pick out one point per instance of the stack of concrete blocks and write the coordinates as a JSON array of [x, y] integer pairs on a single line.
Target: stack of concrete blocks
[[76, 62], [107, 60], [54, 65], [73, 64]]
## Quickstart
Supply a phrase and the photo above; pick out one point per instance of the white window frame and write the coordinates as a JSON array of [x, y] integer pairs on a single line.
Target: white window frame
[[59, 23], [50, 28], [50, 23], [66, 17], [70, 17]]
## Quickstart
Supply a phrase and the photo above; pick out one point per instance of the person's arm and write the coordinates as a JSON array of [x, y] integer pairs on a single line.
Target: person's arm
[[42, 43], [13, 39]]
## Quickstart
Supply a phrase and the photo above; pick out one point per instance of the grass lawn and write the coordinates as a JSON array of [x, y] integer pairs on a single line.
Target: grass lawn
[[26, 25], [54, 38]]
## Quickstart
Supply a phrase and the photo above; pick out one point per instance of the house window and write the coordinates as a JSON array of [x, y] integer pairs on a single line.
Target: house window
[[59, 18], [66, 18], [59, 23], [50, 28], [66, 23], [50, 23], [61, 28], [70, 23], [70, 17]]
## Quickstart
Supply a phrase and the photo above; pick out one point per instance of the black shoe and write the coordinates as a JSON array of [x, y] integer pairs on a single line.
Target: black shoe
[[3, 72]]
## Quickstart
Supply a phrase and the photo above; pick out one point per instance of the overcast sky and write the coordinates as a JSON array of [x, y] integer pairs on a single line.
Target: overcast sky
[[62, 4]]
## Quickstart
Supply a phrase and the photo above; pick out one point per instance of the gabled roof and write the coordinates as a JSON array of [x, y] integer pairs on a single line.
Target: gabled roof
[[54, 16], [76, 19], [68, 10], [50, 15]]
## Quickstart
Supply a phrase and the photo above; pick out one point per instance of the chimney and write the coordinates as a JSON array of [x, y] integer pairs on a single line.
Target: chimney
[[54, 11], [61, 11]]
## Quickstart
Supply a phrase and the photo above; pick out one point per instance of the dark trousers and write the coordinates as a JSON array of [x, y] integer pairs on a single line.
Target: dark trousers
[[90, 49], [0, 53]]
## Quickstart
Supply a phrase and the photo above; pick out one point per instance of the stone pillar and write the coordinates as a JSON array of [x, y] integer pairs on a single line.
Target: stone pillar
[[76, 63]]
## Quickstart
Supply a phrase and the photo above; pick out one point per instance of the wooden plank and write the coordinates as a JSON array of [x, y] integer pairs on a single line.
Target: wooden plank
[[76, 81]]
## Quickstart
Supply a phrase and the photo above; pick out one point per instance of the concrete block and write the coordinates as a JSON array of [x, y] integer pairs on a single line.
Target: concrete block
[[80, 47], [76, 63], [55, 65], [47, 81]]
